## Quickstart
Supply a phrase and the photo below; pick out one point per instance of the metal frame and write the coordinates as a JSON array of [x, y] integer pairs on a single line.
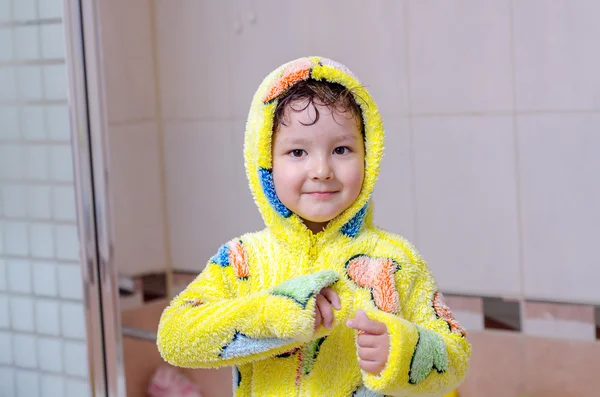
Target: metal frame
[[89, 132]]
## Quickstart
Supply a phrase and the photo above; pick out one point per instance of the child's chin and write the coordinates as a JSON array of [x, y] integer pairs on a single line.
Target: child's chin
[[319, 218]]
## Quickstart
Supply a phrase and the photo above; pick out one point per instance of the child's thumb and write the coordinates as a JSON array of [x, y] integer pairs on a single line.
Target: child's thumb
[[360, 317]]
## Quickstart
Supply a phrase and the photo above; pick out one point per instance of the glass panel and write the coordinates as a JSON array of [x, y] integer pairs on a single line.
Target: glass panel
[[42, 317]]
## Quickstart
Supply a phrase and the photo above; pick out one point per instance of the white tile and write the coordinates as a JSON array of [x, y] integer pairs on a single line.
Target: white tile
[[11, 162], [47, 317], [247, 70], [36, 162], [393, 196], [67, 242], [16, 241], [55, 81], [21, 313], [27, 42], [242, 206], [58, 123], [24, 350], [460, 56], [63, 202], [50, 354], [61, 160], [72, 320], [129, 60], [69, 282], [381, 38], [77, 388], [13, 201], [51, 9], [30, 82], [8, 83], [190, 147], [28, 384], [38, 202], [53, 40], [76, 362], [24, 10], [555, 65], [193, 63], [2, 251], [6, 355], [7, 382], [52, 385], [42, 240], [32, 123], [6, 43], [19, 276], [5, 15], [3, 270], [467, 203], [560, 192], [136, 199], [44, 279], [4, 312], [9, 120]]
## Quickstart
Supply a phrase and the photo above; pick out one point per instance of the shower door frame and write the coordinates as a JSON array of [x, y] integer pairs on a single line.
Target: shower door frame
[[88, 123]]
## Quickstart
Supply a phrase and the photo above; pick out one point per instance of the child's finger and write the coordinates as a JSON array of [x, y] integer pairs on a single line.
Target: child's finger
[[372, 367], [326, 310], [318, 317], [368, 354], [332, 297], [366, 340], [362, 323]]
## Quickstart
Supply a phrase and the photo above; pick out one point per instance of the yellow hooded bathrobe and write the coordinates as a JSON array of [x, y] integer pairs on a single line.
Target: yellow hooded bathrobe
[[253, 305]]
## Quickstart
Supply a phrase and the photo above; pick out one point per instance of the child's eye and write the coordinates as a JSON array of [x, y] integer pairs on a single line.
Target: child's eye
[[297, 153], [341, 150]]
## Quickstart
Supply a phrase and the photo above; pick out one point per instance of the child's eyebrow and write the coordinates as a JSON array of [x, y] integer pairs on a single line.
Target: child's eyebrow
[[296, 141], [347, 137]]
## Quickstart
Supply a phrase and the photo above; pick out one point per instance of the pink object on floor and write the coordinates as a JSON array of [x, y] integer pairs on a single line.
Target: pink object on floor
[[168, 382]]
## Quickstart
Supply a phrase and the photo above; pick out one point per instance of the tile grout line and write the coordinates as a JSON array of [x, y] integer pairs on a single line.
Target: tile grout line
[[518, 192], [14, 23], [33, 62], [411, 138], [20, 135], [62, 374]]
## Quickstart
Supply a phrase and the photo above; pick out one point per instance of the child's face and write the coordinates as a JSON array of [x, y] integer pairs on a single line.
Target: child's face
[[318, 169]]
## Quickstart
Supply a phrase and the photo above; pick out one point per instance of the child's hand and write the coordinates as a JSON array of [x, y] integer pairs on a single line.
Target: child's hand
[[327, 300], [373, 342]]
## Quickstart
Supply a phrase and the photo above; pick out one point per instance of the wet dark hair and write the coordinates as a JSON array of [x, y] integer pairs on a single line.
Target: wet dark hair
[[310, 92]]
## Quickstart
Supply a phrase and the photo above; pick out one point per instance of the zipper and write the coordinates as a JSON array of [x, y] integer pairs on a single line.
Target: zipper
[[312, 257], [312, 250]]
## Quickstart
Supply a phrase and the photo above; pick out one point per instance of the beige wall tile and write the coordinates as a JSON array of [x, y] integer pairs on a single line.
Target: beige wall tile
[[127, 55], [460, 56], [136, 199], [394, 194], [466, 203], [554, 67], [560, 192]]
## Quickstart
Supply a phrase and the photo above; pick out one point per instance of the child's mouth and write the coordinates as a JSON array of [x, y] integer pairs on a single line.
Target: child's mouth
[[321, 195]]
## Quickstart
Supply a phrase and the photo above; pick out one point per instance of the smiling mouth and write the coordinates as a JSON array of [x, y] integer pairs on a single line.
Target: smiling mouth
[[321, 195]]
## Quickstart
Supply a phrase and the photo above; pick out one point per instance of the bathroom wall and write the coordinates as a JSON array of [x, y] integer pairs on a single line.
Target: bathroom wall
[[134, 144], [491, 111], [43, 349]]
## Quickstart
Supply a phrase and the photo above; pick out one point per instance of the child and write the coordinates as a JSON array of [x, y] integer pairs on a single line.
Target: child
[[321, 302]]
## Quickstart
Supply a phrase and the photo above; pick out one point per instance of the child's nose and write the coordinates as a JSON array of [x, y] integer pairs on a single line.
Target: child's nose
[[321, 170]]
